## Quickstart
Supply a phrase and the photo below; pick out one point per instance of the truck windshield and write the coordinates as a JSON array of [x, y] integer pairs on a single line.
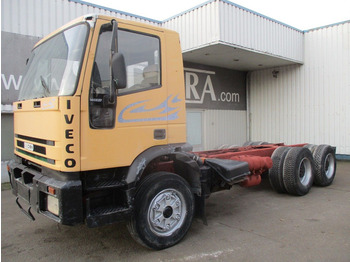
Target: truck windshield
[[54, 66]]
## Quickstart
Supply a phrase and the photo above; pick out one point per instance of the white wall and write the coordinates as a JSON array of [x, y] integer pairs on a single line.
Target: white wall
[[253, 31], [41, 17], [197, 27], [225, 22], [224, 127], [310, 102]]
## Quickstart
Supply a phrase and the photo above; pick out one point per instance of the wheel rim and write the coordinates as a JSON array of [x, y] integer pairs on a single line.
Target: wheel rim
[[166, 212], [329, 165], [305, 171]]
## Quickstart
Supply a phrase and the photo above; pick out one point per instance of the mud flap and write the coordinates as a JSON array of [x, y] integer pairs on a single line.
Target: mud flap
[[200, 208]]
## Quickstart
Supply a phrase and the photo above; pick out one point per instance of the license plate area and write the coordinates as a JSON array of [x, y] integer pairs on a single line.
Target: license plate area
[[29, 146]]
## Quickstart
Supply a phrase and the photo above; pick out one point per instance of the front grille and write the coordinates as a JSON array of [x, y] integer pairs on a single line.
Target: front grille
[[37, 149], [25, 146], [36, 140]]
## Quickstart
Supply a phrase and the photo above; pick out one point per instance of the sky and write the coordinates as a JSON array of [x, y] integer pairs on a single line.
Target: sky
[[301, 14]]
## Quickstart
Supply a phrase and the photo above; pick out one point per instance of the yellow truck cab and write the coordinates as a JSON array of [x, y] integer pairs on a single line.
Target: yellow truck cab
[[100, 136], [100, 100]]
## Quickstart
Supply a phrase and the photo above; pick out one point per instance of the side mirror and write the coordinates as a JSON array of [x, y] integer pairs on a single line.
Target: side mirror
[[118, 71]]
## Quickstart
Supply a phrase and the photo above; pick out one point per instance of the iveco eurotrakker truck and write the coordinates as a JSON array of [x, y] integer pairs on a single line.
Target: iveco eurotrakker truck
[[100, 136]]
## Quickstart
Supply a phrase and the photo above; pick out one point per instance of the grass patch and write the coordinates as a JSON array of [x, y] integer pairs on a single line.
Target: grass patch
[[5, 186]]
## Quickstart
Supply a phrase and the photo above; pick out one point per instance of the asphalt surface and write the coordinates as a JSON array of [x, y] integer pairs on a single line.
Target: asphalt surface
[[244, 224]]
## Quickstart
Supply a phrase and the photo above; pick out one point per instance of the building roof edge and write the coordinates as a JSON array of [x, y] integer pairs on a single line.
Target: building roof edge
[[115, 10], [325, 26]]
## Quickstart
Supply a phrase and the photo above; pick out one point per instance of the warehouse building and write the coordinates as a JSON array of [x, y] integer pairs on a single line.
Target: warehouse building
[[247, 76]]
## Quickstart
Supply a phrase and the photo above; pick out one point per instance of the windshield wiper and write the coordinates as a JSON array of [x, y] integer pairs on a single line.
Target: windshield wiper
[[43, 83]]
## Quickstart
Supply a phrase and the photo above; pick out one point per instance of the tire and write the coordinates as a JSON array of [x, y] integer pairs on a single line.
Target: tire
[[325, 165], [247, 143], [298, 171], [311, 147], [164, 209], [276, 171], [264, 143], [255, 143], [224, 146], [258, 143]]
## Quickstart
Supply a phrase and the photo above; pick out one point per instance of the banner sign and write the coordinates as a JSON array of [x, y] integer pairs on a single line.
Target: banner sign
[[214, 88]]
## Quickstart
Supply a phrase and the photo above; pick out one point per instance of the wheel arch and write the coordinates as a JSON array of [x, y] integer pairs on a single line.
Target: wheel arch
[[184, 163]]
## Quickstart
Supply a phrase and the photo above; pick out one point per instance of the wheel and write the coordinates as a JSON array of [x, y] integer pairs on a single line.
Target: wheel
[[164, 208], [276, 171], [258, 143], [255, 143], [311, 147], [224, 146], [247, 143], [325, 165], [298, 170]]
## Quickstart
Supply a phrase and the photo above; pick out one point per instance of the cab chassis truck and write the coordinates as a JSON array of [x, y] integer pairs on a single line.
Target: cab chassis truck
[[100, 136]]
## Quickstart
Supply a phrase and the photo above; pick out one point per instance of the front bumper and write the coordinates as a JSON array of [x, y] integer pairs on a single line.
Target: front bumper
[[37, 187]]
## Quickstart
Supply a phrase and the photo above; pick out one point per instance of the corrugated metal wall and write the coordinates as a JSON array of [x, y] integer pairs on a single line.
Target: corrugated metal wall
[[41, 17], [196, 27], [225, 22], [310, 102], [254, 31], [224, 127]]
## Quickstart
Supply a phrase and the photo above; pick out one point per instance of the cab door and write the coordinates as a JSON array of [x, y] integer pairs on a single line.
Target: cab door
[[114, 134]]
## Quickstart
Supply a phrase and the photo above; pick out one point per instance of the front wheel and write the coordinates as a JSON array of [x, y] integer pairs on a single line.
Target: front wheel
[[164, 208]]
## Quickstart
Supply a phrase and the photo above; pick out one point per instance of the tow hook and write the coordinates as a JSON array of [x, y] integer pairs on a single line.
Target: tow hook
[[28, 213]]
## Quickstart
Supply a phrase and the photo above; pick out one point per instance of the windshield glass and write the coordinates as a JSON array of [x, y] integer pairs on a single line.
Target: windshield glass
[[54, 66]]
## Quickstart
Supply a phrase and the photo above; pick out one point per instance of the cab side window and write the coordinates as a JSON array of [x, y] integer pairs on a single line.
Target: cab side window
[[142, 59]]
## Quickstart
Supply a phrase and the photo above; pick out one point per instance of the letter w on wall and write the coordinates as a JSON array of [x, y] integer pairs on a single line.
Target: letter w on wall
[[11, 81]]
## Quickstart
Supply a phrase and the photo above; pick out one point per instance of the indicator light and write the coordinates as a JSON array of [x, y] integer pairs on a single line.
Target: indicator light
[[51, 190]]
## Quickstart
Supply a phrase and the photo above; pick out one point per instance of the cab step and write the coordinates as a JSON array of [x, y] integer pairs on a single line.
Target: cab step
[[107, 215], [105, 184]]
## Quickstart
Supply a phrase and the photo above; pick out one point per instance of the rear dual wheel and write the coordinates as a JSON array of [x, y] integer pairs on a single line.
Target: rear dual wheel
[[255, 143], [298, 171], [311, 147], [325, 165], [276, 172], [292, 170], [295, 169]]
